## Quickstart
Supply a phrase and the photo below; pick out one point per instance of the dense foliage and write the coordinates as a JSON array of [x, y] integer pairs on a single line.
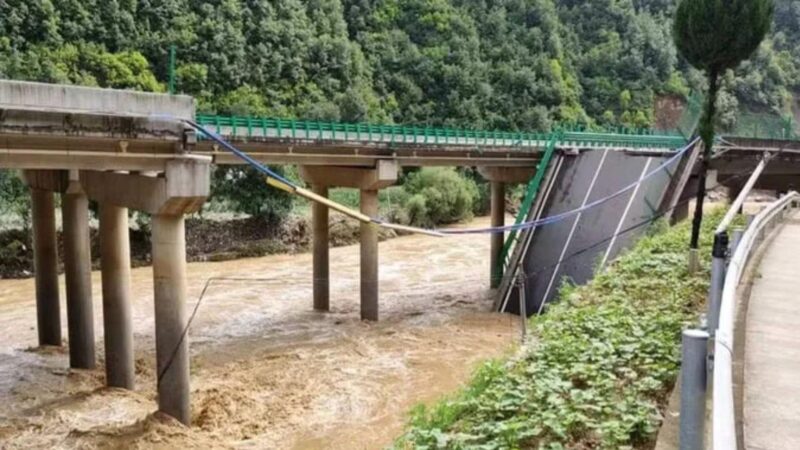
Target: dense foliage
[[510, 64], [598, 366], [714, 37], [496, 64]]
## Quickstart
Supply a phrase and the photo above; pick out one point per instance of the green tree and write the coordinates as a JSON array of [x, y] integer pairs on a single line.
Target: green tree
[[715, 36]]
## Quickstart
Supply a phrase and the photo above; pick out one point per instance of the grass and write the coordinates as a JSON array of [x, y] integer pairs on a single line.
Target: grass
[[598, 368]]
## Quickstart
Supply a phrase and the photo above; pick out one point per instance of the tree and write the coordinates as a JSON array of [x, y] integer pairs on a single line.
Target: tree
[[715, 36]]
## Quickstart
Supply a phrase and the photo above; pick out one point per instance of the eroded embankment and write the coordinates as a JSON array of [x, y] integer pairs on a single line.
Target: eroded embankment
[[267, 371]]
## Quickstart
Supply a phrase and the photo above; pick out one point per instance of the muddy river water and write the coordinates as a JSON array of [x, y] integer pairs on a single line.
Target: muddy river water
[[268, 371]]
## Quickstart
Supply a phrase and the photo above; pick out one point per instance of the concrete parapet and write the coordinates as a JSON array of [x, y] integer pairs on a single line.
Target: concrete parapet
[[45, 97]]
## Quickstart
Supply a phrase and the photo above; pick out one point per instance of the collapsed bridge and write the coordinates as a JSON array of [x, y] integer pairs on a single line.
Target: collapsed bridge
[[129, 150]]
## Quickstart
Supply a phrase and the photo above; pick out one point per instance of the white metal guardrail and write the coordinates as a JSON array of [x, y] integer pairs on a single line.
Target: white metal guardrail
[[723, 415], [697, 365]]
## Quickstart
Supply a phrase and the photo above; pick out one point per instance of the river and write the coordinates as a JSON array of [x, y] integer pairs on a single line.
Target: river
[[268, 371]]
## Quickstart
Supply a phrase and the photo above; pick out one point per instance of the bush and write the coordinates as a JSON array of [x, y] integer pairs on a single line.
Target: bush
[[246, 190], [439, 195], [598, 368]]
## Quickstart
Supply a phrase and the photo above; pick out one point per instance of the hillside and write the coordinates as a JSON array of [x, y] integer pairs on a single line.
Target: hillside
[[506, 64]]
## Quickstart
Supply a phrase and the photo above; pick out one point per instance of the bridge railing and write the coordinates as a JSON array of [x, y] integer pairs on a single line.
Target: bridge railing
[[721, 321], [723, 415], [274, 128]]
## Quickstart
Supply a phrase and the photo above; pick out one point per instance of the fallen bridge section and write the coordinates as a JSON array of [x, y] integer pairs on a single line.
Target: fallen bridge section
[[572, 249]]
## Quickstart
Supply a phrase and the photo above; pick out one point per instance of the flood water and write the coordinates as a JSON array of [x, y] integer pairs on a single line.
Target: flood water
[[268, 371]]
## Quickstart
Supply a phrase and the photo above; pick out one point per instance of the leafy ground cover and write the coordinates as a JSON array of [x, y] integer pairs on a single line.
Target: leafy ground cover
[[598, 368]]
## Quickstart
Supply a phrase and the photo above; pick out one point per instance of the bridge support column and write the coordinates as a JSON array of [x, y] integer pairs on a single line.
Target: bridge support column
[[498, 211], [498, 178], [45, 263], [116, 280], [172, 346], [181, 189], [78, 276], [368, 181], [369, 257], [321, 269]]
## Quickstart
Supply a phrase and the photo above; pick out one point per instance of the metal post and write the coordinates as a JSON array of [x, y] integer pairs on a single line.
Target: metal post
[[523, 307], [719, 253], [171, 69], [694, 261], [735, 239], [693, 389], [749, 221]]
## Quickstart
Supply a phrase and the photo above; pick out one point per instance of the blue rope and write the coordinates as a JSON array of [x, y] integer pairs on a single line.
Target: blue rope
[[244, 156]]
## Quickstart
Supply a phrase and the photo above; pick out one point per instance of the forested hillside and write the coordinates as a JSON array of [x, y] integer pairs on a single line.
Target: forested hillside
[[505, 64]]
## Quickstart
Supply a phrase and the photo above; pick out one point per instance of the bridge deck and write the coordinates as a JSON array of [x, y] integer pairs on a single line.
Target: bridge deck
[[772, 347]]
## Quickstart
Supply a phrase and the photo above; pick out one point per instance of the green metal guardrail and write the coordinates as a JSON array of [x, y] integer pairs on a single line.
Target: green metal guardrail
[[264, 127]]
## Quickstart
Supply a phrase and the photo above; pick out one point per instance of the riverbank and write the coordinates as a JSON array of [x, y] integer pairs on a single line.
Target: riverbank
[[268, 371], [206, 240]]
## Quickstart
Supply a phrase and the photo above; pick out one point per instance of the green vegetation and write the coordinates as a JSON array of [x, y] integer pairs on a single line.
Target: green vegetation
[[714, 37], [516, 65], [597, 369], [509, 64]]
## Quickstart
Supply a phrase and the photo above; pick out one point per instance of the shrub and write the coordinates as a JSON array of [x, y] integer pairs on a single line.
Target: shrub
[[439, 195]]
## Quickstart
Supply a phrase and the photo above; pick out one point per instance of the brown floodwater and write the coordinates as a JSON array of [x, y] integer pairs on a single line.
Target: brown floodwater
[[268, 371]]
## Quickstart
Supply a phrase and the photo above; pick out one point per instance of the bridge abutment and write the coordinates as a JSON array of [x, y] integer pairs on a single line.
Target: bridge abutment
[[499, 178], [45, 263], [78, 276], [116, 282]]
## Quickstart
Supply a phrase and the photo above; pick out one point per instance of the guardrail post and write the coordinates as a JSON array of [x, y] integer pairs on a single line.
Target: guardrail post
[[735, 239], [718, 253], [523, 313], [693, 389]]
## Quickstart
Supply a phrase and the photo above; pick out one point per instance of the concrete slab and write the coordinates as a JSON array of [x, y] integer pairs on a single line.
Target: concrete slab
[[772, 339], [24, 95]]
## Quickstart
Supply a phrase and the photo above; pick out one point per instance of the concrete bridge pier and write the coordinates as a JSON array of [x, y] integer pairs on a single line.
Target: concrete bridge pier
[[78, 274], [45, 263], [320, 243], [369, 181], [116, 281], [368, 203], [172, 345], [499, 178], [181, 189]]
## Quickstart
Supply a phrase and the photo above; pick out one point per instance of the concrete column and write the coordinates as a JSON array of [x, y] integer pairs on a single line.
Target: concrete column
[[116, 279], [498, 207], [172, 346], [45, 263], [78, 277], [369, 257], [321, 271]]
